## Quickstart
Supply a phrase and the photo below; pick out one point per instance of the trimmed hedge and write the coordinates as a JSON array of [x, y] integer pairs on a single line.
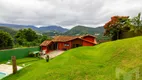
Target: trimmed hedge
[[19, 53]]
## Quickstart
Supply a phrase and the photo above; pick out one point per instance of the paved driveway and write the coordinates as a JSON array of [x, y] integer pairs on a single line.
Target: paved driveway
[[53, 54]]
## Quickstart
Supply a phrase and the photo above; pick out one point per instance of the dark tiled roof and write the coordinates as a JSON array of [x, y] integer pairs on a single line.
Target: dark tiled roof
[[63, 38], [68, 38], [86, 35], [90, 41], [45, 43]]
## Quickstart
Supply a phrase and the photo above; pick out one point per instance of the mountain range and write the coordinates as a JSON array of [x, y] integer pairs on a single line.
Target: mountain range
[[41, 29], [80, 30], [56, 30]]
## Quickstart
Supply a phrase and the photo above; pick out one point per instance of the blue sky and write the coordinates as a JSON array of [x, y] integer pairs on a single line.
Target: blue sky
[[66, 13]]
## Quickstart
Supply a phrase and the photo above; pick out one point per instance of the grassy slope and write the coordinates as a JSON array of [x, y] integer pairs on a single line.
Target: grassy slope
[[87, 63]]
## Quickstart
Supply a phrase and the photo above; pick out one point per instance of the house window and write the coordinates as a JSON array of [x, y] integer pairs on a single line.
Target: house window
[[66, 45]]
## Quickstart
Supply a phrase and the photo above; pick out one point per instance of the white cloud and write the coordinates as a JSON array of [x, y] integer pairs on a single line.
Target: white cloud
[[66, 13]]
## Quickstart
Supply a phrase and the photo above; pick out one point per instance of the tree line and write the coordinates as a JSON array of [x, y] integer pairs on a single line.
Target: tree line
[[23, 38]]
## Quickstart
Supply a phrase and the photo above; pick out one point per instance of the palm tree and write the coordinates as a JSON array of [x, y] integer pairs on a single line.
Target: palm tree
[[137, 23]]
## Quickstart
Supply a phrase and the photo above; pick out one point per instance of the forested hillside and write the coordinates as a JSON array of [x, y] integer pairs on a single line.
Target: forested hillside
[[9, 30], [79, 30]]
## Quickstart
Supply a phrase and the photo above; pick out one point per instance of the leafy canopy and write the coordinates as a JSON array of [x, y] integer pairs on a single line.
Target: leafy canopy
[[26, 35], [118, 25], [6, 41]]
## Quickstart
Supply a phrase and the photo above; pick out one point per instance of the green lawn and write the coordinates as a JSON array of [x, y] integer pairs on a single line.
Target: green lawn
[[87, 63], [25, 61]]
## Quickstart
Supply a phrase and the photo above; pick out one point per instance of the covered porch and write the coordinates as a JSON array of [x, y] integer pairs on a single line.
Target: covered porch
[[48, 46]]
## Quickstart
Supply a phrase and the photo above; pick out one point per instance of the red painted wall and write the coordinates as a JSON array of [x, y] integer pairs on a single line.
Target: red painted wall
[[45, 48], [61, 45], [87, 44], [89, 38]]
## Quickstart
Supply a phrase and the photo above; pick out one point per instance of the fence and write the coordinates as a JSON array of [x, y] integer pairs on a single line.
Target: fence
[[19, 53]]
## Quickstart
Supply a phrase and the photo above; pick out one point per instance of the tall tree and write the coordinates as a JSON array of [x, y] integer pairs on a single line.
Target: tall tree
[[26, 35], [137, 23], [114, 27], [6, 41]]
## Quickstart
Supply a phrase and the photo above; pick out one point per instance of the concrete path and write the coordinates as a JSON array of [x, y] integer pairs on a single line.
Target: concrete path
[[53, 54], [7, 69]]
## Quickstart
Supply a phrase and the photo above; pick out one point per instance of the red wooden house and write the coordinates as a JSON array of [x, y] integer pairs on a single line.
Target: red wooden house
[[67, 42]]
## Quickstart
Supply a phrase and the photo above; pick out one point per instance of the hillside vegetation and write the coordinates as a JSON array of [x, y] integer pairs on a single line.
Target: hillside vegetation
[[9, 30], [88, 63], [82, 30], [79, 30]]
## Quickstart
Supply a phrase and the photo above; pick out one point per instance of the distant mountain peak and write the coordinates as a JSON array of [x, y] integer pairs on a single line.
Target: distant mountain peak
[[39, 28], [53, 28], [80, 30]]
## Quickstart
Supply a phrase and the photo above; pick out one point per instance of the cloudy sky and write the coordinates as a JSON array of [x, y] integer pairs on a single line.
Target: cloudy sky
[[66, 13]]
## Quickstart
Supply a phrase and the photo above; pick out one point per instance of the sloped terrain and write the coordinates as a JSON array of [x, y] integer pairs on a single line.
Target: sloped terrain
[[9, 30], [80, 30], [88, 63]]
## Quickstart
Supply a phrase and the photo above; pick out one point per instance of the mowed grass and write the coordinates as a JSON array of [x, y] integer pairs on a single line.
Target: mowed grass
[[25, 61], [87, 63]]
